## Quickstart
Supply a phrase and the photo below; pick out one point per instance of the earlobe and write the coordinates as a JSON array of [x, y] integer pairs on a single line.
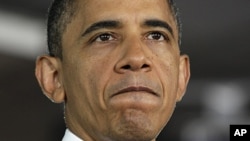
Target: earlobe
[[184, 75], [48, 76]]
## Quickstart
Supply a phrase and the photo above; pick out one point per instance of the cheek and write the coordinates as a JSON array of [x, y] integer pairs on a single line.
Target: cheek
[[78, 79], [84, 83], [168, 75], [166, 59], [167, 70], [88, 72], [97, 75]]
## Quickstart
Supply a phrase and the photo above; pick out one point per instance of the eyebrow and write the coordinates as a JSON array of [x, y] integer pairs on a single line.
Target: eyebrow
[[102, 24], [158, 23], [117, 24]]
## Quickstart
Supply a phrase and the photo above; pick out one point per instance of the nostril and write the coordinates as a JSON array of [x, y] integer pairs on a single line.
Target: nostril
[[126, 67], [129, 67], [145, 66]]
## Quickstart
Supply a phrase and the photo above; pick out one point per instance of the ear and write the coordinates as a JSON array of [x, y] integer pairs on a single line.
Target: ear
[[184, 75], [48, 75]]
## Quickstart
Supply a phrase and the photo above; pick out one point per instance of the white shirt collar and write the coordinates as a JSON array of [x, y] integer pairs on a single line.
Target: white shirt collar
[[69, 136]]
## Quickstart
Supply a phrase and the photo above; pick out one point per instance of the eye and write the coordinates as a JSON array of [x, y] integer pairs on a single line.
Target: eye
[[104, 37], [156, 36]]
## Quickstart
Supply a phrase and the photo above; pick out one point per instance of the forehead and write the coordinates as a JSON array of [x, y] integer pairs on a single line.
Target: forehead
[[91, 10], [126, 3]]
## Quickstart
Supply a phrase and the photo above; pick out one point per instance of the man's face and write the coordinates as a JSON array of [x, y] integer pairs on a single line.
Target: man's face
[[121, 69]]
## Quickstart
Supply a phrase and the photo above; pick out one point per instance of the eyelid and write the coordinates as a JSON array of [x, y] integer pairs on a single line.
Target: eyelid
[[165, 35], [97, 35]]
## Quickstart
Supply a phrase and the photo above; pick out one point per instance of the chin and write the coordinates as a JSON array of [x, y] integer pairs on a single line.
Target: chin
[[135, 126]]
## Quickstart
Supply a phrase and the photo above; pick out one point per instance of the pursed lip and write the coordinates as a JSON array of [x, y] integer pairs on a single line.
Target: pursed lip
[[136, 89]]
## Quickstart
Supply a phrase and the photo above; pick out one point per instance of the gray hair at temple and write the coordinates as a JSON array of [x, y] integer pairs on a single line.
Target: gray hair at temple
[[61, 13]]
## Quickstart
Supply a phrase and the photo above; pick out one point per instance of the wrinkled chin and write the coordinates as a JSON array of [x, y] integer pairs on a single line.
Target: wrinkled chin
[[134, 126]]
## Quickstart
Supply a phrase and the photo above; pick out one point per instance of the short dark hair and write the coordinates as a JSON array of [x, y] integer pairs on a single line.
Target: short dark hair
[[61, 13], [176, 15]]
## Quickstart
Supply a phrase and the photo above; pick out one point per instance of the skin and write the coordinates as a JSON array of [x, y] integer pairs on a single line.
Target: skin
[[118, 82]]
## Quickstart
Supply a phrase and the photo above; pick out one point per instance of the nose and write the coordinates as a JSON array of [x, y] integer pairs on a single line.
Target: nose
[[133, 58]]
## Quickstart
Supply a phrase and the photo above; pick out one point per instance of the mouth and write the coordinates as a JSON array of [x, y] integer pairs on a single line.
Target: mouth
[[134, 89]]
